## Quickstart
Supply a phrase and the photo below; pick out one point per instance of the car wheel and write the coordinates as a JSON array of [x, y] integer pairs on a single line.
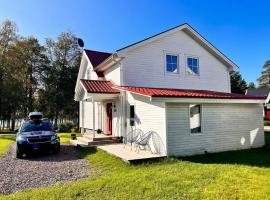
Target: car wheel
[[57, 150], [18, 154]]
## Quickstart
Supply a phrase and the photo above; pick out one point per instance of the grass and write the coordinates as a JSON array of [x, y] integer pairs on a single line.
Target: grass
[[65, 137], [5, 141], [231, 175]]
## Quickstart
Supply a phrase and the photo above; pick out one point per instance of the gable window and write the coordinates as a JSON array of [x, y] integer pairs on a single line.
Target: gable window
[[193, 66], [195, 116], [171, 63]]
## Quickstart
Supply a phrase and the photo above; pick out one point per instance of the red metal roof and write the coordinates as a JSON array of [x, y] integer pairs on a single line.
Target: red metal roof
[[99, 86], [180, 93], [97, 57]]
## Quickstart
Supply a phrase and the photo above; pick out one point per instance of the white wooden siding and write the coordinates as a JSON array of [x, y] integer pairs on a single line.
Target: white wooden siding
[[224, 126], [114, 74], [145, 66], [148, 116], [87, 115], [93, 74], [81, 114]]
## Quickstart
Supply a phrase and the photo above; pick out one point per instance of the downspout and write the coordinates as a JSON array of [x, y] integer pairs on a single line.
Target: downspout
[[94, 116]]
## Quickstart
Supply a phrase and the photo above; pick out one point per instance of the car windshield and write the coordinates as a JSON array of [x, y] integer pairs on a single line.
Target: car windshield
[[36, 126]]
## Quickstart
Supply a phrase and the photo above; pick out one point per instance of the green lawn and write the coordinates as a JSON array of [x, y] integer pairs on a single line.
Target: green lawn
[[65, 137], [231, 175], [5, 141]]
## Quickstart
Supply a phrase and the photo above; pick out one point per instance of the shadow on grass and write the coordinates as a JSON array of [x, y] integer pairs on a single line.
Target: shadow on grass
[[86, 151], [259, 157], [8, 137]]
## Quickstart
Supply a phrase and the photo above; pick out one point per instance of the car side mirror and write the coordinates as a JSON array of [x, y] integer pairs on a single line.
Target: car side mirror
[[55, 129], [16, 130]]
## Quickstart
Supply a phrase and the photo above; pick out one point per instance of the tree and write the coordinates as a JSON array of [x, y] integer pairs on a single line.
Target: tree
[[8, 35], [251, 85], [264, 79], [36, 77], [29, 59], [59, 77], [238, 84]]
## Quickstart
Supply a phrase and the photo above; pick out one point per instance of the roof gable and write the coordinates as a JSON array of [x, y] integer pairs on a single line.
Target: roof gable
[[96, 57], [194, 35]]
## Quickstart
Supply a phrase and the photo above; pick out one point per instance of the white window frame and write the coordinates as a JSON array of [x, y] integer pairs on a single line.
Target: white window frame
[[165, 62], [201, 119], [187, 68]]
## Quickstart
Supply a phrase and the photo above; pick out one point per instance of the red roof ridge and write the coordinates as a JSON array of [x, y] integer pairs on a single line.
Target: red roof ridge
[[184, 93]]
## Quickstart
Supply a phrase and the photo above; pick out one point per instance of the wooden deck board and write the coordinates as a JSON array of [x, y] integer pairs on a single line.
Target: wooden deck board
[[127, 154]]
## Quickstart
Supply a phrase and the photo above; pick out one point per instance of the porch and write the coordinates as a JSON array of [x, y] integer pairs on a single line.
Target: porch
[[115, 146], [128, 155], [101, 108]]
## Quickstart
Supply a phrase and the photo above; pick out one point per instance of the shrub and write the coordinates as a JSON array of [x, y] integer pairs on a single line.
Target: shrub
[[65, 127], [99, 131], [267, 123]]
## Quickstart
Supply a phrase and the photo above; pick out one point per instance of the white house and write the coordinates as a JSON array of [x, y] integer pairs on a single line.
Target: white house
[[175, 83]]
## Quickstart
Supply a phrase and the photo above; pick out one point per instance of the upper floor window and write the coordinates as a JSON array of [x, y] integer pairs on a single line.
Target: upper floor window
[[171, 63], [193, 66]]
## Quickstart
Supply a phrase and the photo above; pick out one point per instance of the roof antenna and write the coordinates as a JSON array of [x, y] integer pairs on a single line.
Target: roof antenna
[[80, 42]]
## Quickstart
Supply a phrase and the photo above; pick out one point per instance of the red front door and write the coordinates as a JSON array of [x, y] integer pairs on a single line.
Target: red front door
[[108, 130]]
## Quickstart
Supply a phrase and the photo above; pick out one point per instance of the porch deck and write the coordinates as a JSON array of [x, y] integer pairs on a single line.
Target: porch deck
[[129, 155]]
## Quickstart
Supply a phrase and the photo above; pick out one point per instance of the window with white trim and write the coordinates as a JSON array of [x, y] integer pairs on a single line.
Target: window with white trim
[[172, 63], [195, 115], [193, 66]]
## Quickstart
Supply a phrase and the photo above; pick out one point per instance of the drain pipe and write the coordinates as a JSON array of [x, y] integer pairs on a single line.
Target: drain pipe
[[94, 116]]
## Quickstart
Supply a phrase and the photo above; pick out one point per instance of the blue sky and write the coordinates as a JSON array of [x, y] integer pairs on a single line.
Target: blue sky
[[240, 29]]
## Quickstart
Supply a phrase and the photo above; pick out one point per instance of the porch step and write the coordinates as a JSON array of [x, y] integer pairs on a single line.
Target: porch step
[[87, 142], [99, 137]]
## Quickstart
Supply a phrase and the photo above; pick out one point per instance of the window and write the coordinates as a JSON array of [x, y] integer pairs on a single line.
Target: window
[[195, 118], [41, 126], [132, 115], [171, 63], [193, 66]]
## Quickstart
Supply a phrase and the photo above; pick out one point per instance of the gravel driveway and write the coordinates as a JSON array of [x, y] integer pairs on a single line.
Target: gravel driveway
[[18, 174]]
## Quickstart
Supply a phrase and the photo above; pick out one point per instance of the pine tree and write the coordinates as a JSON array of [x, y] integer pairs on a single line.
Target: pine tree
[[264, 79], [238, 84]]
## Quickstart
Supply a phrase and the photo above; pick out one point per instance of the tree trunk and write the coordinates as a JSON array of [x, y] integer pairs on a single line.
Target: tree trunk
[[12, 124], [8, 123], [30, 90]]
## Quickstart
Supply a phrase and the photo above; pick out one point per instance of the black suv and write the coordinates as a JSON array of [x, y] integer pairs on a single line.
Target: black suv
[[36, 135]]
